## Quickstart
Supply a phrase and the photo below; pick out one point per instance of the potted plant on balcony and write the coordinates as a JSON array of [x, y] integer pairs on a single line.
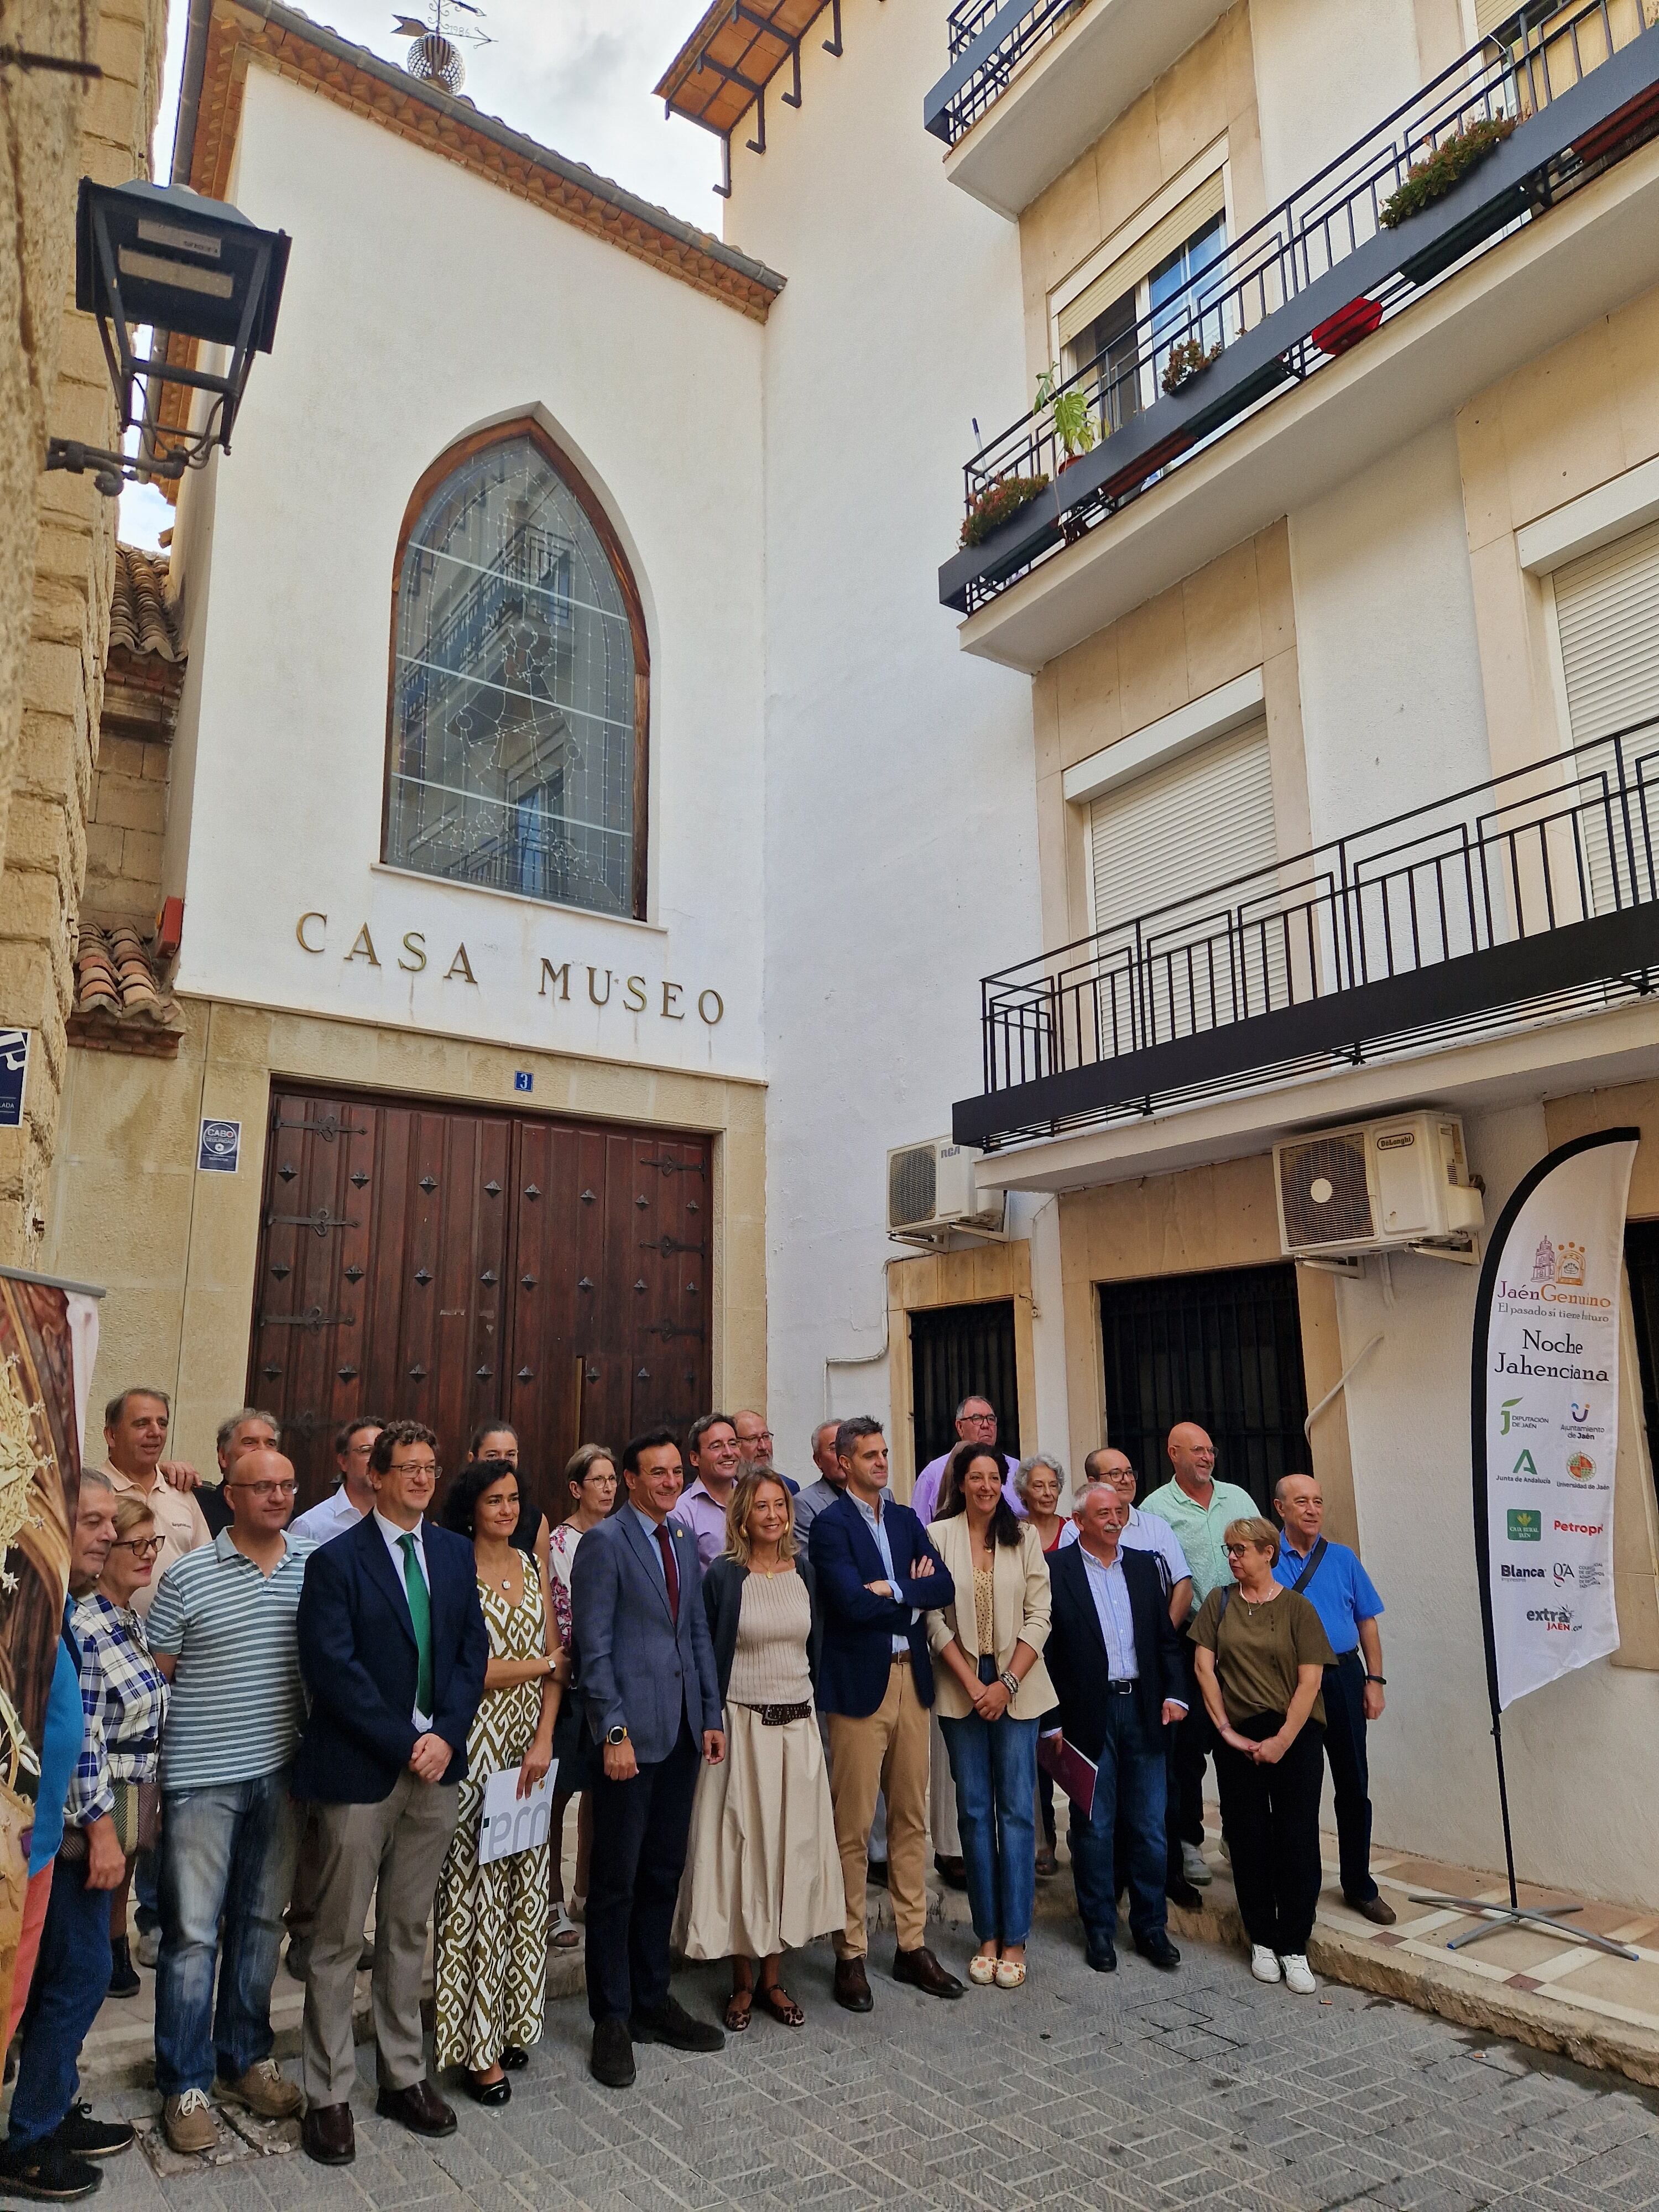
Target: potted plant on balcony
[[1446, 166], [1075, 428], [1188, 358], [999, 503]]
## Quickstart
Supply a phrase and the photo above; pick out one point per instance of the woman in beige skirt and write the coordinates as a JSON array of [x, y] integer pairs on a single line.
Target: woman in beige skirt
[[763, 1872]]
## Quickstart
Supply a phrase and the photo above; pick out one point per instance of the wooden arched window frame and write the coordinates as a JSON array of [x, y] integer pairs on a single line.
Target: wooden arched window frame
[[527, 429]]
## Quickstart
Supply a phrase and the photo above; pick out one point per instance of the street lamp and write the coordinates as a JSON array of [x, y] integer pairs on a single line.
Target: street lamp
[[161, 256]]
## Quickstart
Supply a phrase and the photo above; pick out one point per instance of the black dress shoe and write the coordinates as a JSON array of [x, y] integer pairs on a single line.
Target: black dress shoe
[[514, 2056], [122, 1974], [492, 2094], [326, 2133], [44, 2169], [852, 1986], [670, 2023], [82, 2136], [923, 1972], [1375, 1909], [612, 2060], [1104, 1961], [953, 1873], [1181, 1892], [1160, 1950], [419, 2108]]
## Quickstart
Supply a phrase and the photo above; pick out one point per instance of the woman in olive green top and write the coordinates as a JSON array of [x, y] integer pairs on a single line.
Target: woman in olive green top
[[1261, 1661]]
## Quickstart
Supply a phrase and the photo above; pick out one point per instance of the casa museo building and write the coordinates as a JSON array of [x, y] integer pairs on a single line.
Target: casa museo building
[[655, 724]]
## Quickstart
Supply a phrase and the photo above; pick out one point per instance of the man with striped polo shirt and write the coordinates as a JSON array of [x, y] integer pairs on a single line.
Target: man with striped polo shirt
[[221, 1627]]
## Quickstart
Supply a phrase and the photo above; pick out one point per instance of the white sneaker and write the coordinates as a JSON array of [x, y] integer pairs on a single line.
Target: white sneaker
[[147, 1948], [1298, 1975], [1194, 1866], [1263, 1965]]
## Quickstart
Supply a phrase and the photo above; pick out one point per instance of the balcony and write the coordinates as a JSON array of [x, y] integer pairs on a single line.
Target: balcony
[[1531, 896], [1033, 83], [1323, 337]]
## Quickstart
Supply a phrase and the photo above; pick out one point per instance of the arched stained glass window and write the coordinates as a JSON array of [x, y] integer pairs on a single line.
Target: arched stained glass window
[[517, 752]]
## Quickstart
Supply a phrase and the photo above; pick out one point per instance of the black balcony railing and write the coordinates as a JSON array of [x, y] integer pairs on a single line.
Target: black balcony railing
[[1320, 274], [989, 40], [1532, 895]]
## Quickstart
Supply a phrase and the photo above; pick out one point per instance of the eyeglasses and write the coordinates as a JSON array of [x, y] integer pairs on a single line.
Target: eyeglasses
[[264, 1490], [980, 1420], [428, 1466], [141, 1548]]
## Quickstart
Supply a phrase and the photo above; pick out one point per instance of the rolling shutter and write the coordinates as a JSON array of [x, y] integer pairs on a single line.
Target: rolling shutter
[[1197, 822], [1198, 210], [1607, 607]]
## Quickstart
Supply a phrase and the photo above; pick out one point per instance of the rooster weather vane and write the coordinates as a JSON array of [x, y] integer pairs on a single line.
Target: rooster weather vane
[[435, 56]]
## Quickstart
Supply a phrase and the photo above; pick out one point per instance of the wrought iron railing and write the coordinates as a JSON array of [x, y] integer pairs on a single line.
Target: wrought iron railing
[[1274, 306], [1533, 893], [990, 40]]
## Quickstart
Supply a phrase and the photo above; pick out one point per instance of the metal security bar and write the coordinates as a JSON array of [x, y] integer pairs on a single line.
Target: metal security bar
[[1534, 894], [1318, 275]]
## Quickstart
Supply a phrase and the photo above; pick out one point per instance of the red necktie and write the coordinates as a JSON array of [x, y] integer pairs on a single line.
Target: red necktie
[[671, 1568]]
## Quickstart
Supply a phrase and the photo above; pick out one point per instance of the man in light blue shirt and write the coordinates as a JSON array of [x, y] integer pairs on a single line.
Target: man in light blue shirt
[[1330, 1576]]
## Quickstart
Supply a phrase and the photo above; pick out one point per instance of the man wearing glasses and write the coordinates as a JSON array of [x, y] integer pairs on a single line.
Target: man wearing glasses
[[975, 1424], [393, 1645], [222, 1627], [344, 1508]]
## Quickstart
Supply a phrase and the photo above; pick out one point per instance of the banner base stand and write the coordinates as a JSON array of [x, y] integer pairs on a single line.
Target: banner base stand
[[1495, 1918]]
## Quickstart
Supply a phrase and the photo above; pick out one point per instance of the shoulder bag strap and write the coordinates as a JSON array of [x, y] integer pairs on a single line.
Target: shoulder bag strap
[[1314, 1558]]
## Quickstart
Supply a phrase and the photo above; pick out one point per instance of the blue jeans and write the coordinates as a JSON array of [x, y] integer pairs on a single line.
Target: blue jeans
[[1131, 1780], [228, 1854], [993, 1766], [70, 1976], [147, 1891]]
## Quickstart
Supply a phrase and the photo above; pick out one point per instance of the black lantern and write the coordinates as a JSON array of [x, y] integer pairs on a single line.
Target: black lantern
[[161, 255]]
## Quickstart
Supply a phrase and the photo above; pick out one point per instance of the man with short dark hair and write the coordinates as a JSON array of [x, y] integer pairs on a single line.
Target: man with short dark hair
[[876, 1574], [65, 1971], [711, 1449], [394, 1648], [222, 1630], [354, 1497], [646, 1675], [136, 1423]]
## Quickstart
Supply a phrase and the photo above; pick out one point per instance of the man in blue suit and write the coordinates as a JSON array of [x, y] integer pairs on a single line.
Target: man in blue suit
[[878, 1574], [393, 1647], [645, 1673]]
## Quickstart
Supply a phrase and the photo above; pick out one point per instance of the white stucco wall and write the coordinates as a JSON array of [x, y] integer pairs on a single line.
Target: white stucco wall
[[1393, 708], [1327, 71], [421, 303], [1581, 1758], [900, 854]]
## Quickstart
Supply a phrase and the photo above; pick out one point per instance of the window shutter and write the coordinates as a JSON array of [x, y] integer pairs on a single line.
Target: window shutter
[[1139, 259], [1198, 822], [1606, 609]]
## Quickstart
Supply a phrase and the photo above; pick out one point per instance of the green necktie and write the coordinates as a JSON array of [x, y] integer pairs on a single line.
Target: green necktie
[[420, 1614]]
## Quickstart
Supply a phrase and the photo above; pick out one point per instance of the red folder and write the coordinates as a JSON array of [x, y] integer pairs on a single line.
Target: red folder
[[1074, 1773]]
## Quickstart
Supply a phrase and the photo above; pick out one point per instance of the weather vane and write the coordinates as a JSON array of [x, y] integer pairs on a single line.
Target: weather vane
[[434, 56]]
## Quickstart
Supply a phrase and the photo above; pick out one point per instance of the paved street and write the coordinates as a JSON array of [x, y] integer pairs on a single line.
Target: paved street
[[1140, 2090]]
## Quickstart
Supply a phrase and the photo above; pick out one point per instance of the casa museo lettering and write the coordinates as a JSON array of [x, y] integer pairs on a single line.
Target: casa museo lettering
[[558, 982]]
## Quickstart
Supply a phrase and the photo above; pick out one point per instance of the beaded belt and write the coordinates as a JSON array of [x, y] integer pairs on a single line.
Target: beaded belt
[[780, 1715]]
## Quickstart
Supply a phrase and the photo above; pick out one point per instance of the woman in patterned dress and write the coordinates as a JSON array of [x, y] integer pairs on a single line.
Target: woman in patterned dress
[[490, 1969]]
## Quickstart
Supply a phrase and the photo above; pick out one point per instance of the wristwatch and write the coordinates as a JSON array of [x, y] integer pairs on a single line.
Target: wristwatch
[[1380, 1680], [618, 1735], [1010, 1681]]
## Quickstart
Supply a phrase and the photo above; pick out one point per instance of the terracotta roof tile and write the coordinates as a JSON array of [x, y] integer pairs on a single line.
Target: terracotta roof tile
[[140, 619], [120, 1003]]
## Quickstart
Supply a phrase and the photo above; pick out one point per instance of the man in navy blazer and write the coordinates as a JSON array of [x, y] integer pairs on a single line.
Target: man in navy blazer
[[393, 1647], [1115, 1661], [645, 1674], [878, 1574]]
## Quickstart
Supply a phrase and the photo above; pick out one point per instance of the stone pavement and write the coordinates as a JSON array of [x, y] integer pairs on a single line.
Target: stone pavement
[[1135, 2090]]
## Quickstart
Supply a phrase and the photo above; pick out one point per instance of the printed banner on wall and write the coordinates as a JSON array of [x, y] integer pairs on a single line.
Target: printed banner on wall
[[48, 1337], [1547, 1415]]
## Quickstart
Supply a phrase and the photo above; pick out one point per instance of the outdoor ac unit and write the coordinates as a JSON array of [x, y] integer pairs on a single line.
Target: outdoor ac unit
[[930, 1191], [1376, 1186]]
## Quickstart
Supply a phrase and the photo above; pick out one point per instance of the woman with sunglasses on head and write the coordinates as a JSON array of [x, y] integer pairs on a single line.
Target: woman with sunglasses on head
[[1260, 1662], [125, 1695]]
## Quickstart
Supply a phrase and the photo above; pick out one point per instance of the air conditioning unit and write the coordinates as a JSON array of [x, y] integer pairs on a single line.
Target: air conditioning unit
[[1398, 1185], [931, 1191]]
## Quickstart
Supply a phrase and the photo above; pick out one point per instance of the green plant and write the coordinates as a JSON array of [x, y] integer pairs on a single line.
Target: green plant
[[1187, 359], [1431, 179], [998, 503], [1074, 426]]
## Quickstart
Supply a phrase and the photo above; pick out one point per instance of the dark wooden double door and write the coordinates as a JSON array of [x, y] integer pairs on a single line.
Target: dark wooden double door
[[426, 1262]]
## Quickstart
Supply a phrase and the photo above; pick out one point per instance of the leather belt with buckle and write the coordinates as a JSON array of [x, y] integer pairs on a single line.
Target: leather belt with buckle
[[780, 1715]]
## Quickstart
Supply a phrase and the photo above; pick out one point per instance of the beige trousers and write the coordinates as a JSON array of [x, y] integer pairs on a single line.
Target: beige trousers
[[399, 1845], [884, 1751]]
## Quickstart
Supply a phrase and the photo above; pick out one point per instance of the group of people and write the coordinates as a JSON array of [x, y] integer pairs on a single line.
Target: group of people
[[263, 1724]]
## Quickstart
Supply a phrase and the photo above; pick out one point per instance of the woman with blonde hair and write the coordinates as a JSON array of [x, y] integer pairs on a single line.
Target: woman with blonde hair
[[762, 1872], [1260, 1662]]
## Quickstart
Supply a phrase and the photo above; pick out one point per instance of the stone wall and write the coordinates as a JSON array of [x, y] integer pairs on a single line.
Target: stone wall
[[56, 533]]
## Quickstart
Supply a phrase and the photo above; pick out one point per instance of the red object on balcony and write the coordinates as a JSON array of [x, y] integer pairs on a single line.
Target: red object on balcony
[[1636, 115], [1348, 326]]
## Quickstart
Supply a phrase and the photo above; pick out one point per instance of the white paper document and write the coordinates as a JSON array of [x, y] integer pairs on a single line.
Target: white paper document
[[510, 1823]]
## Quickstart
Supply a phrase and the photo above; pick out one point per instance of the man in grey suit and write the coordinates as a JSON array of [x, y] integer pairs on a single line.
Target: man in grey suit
[[645, 1672]]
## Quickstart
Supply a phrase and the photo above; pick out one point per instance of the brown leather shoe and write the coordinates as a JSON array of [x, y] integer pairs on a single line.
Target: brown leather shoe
[[419, 2108], [853, 1985], [326, 2134], [1375, 1908], [923, 1972]]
